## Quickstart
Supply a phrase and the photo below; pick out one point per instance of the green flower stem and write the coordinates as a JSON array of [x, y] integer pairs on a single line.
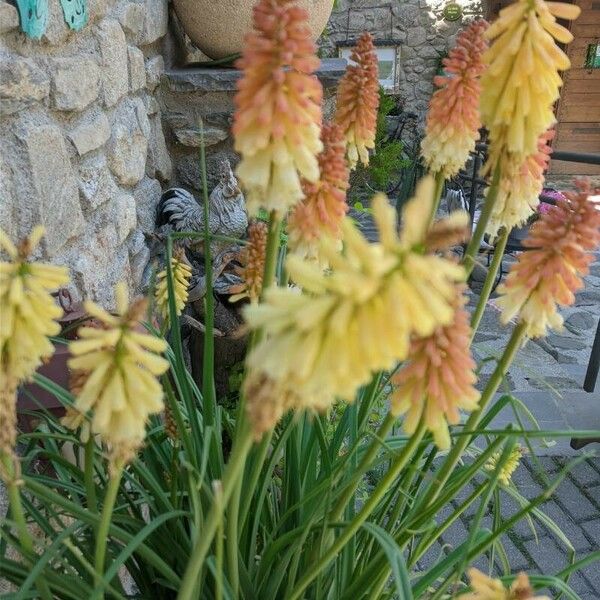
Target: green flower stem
[[233, 516], [362, 468], [354, 525], [233, 522], [438, 482], [209, 400], [426, 542], [489, 281], [104, 524], [271, 252], [486, 213], [437, 194], [18, 516], [219, 550], [90, 487], [233, 471], [16, 506]]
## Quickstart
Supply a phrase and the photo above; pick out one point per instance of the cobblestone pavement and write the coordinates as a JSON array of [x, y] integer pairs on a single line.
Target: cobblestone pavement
[[536, 549]]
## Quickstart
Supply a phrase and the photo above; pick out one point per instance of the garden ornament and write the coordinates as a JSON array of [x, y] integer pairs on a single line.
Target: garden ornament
[[34, 15]]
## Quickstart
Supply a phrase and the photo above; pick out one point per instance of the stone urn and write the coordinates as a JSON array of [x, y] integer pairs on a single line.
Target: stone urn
[[218, 27]]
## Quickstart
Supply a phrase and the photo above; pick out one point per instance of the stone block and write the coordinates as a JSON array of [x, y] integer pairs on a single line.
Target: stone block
[[98, 9], [416, 36], [90, 134], [75, 82], [101, 264], [159, 161], [128, 144], [96, 185], [139, 256], [151, 104], [125, 216], [22, 83], [147, 194], [189, 135], [9, 17], [113, 50], [155, 67], [8, 202], [57, 199], [131, 17], [137, 69], [156, 21]]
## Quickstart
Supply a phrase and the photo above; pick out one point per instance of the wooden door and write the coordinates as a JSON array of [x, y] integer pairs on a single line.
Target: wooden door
[[578, 113]]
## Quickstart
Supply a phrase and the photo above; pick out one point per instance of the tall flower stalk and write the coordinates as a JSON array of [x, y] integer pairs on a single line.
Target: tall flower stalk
[[278, 108], [453, 120], [519, 88], [358, 101], [29, 315]]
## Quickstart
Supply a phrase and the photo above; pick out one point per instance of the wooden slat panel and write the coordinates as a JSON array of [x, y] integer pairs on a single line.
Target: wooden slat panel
[[589, 98], [578, 86], [586, 109], [589, 17], [584, 30], [571, 145], [578, 132], [591, 75]]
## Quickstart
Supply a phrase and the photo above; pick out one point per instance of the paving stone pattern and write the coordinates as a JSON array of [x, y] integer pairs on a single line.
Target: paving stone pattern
[[575, 507]]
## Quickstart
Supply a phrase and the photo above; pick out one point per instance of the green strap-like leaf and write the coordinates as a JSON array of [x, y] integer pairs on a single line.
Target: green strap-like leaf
[[395, 559]]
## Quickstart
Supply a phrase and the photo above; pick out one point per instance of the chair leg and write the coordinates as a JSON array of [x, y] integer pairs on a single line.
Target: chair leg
[[594, 365], [589, 384], [500, 275]]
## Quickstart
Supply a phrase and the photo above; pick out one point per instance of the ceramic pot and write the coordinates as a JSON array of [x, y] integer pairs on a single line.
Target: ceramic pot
[[218, 28]]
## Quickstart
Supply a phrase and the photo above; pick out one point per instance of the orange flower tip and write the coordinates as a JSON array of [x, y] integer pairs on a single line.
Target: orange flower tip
[[453, 119], [277, 91], [358, 101]]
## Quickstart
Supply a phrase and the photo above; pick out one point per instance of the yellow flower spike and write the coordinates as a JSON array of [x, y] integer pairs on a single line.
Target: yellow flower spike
[[348, 323], [182, 273], [28, 315], [121, 387], [486, 588], [522, 82], [509, 467]]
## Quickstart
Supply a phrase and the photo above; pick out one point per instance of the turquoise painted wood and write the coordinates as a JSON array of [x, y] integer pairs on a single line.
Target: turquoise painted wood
[[75, 13], [34, 17]]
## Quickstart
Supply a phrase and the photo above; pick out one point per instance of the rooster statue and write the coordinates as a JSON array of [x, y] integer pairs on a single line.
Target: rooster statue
[[178, 211]]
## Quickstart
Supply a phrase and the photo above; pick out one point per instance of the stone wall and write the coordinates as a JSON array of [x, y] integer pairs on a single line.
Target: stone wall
[[416, 27], [82, 149]]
